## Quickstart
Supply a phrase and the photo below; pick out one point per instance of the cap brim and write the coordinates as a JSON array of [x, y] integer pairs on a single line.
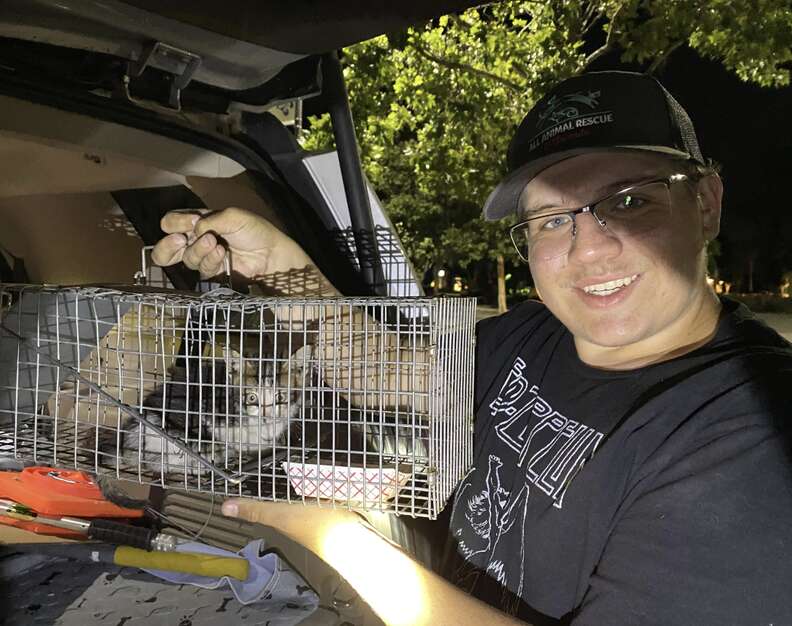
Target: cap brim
[[504, 199]]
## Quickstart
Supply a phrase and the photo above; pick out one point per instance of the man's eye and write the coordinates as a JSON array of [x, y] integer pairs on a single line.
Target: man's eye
[[554, 222], [629, 202]]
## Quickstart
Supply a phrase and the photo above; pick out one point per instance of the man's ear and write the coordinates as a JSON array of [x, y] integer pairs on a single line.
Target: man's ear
[[709, 198]]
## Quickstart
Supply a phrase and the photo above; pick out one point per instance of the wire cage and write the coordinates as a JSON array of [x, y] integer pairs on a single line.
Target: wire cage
[[398, 275], [357, 402]]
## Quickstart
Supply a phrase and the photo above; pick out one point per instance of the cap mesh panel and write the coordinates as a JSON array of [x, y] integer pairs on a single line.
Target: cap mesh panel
[[680, 120]]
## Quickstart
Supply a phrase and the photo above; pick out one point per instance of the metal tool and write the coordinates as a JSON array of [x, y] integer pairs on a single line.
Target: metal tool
[[97, 529], [199, 564]]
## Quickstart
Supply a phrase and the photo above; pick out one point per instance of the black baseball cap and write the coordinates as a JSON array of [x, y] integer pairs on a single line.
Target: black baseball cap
[[593, 112]]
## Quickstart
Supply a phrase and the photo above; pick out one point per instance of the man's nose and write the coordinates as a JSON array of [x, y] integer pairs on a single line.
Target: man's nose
[[593, 242]]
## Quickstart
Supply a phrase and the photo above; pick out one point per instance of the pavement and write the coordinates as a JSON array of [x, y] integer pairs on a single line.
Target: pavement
[[782, 322], [483, 311]]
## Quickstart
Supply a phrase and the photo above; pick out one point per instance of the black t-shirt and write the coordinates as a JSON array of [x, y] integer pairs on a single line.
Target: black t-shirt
[[661, 495]]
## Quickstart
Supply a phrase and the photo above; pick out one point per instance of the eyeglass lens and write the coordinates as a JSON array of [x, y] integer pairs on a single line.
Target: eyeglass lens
[[629, 212]]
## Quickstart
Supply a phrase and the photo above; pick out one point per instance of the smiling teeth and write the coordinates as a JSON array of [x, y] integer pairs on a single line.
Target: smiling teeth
[[612, 286]]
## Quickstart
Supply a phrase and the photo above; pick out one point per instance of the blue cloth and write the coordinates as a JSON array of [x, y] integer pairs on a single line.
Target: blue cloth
[[279, 590]]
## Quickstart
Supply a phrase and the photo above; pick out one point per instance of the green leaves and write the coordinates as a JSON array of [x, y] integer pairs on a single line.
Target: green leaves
[[753, 38], [434, 111], [435, 107]]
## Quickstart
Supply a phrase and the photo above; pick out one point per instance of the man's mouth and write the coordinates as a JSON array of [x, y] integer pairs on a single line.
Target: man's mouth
[[609, 287]]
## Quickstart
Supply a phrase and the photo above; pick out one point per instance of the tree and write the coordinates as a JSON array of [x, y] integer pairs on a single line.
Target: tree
[[435, 106]]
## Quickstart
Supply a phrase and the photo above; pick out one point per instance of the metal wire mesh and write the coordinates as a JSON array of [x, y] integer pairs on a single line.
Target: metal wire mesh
[[363, 403], [398, 273]]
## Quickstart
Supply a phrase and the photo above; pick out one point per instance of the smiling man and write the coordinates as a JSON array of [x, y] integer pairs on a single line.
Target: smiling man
[[632, 436], [632, 441], [626, 274]]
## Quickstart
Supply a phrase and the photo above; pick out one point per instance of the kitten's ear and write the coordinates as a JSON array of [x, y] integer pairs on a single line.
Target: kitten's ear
[[232, 359], [302, 358]]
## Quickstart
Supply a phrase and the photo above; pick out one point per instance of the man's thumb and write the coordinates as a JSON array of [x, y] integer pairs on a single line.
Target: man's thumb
[[220, 223], [238, 508]]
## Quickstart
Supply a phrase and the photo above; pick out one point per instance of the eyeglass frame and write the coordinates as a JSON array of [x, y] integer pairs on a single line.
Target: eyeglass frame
[[591, 207]]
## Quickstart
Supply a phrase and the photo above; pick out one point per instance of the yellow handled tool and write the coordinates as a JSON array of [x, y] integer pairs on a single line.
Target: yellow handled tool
[[196, 563], [209, 565]]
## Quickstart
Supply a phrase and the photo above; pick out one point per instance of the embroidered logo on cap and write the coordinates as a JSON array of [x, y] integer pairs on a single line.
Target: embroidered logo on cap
[[562, 114], [560, 108]]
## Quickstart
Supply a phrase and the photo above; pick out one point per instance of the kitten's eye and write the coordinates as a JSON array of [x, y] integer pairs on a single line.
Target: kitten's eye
[[251, 398], [281, 397]]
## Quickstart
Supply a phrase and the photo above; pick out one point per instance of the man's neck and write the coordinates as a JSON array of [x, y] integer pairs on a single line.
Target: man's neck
[[693, 329]]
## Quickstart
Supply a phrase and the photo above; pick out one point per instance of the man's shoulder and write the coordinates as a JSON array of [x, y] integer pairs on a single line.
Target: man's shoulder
[[526, 316], [739, 383], [752, 341], [500, 339]]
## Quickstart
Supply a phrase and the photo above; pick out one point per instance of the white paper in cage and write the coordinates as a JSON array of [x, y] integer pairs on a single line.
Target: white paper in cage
[[353, 485]]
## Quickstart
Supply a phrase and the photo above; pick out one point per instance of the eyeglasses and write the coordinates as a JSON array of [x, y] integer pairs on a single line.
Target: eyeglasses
[[637, 209]]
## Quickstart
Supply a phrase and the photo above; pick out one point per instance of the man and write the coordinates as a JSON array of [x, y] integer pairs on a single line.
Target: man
[[632, 447]]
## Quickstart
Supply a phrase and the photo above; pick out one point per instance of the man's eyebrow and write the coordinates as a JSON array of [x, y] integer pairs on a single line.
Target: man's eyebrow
[[598, 194], [628, 182]]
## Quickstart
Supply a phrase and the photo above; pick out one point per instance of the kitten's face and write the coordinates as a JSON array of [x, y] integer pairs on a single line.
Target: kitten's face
[[277, 395], [266, 400]]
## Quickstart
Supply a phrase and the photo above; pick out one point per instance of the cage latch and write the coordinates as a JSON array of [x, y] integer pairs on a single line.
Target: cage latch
[[182, 64], [141, 277]]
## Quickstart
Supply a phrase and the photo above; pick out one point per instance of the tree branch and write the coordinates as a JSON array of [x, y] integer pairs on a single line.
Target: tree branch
[[590, 17], [521, 69], [601, 51], [660, 60], [456, 65], [606, 47]]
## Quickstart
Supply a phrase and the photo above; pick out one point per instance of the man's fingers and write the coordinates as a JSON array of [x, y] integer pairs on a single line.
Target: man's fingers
[[225, 222], [212, 263], [196, 251], [179, 222], [169, 250], [244, 509], [204, 254]]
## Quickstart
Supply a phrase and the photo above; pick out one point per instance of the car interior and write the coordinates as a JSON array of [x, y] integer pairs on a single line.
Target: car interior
[[114, 113]]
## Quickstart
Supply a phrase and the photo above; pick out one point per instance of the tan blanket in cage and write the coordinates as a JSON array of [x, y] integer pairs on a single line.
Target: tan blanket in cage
[[126, 363]]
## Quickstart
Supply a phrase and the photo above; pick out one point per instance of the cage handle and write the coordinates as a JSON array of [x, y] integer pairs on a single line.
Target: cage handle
[[141, 276], [128, 410]]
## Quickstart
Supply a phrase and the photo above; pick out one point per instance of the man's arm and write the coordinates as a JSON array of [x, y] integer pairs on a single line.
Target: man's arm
[[352, 352], [258, 250], [371, 367], [398, 590]]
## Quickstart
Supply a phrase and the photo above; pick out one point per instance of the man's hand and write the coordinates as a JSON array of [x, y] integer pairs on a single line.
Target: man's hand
[[372, 565], [202, 242], [304, 524]]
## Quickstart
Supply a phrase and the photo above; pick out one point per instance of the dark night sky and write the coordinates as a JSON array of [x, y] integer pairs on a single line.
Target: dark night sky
[[748, 130]]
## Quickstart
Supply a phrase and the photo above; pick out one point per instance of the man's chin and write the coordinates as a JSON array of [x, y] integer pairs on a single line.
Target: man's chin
[[606, 341], [612, 333]]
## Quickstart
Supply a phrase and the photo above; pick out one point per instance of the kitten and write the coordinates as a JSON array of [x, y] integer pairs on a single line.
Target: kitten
[[221, 408], [271, 398]]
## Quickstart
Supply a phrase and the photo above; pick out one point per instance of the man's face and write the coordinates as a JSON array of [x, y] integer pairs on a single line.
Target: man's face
[[666, 264]]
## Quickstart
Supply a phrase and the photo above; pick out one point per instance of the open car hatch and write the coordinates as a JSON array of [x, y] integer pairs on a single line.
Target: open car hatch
[[235, 46]]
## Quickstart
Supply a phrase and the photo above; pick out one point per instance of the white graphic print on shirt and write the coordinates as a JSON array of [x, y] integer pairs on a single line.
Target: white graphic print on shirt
[[548, 450], [557, 443]]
